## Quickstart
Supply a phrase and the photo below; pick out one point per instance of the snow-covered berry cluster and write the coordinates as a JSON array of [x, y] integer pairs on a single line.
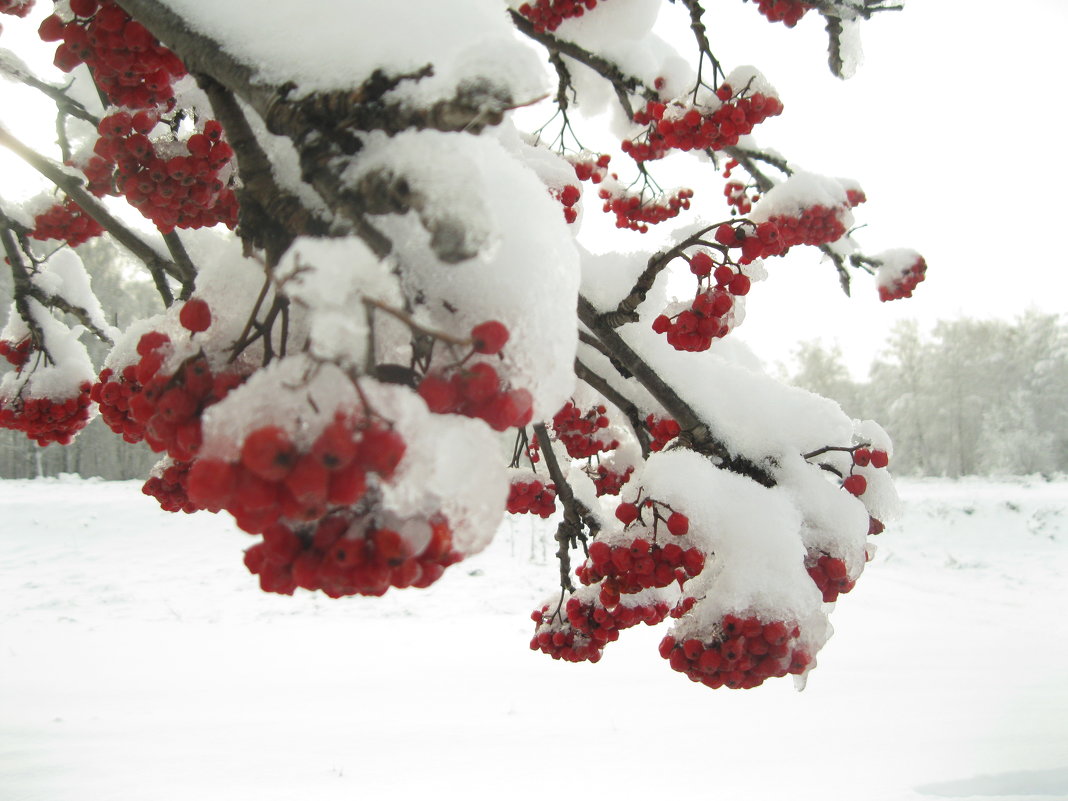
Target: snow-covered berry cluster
[[677, 126], [348, 553], [128, 63], [740, 653], [45, 419], [533, 497], [16, 353], [900, 272], [548, 14]]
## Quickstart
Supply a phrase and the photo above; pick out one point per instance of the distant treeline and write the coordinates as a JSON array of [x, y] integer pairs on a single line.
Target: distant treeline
[[975, 397]]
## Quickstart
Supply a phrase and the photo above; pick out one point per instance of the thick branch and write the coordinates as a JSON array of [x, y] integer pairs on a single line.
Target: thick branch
[[625, 85], [575, 512], [626, 312], [23, 288], [694, 430], [271, 217], [64, 103]]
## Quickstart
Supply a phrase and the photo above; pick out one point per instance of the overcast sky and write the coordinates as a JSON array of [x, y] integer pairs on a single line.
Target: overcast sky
[[952, 125]]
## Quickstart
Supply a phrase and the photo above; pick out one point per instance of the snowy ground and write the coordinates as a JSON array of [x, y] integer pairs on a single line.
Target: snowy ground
[[139, 661]]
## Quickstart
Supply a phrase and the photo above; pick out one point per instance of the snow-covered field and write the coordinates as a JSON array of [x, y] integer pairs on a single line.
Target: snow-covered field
[[138, 660]]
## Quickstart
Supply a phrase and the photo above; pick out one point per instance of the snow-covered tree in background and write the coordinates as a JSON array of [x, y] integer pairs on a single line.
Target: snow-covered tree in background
[[385, 325]]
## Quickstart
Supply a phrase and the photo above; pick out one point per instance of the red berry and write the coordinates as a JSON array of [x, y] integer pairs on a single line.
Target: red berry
[[880, 459], [678, 524], [269, 453], [489, 337], [195, 315], [627, 513], [855, 484]]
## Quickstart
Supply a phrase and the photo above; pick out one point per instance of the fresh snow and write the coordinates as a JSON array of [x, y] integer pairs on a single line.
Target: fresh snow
[[138, 660]]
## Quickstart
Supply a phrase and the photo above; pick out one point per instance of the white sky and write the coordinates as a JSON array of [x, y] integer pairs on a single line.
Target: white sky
[[951, 125]]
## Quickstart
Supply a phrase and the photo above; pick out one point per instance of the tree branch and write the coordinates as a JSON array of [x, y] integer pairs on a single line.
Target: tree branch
[[157, 265], [619, 400], [695, 431], [570, 530]]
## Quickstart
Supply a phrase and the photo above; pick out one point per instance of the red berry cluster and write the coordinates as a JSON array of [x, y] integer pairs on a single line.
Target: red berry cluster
[[556, 637], [902, 285], [862, 457], [830, 575], [16, 353], [639, 564], [589, 626], [349, 554], [610, 482], [694, 329], [742, 655], [141, 401], [637, 214], [788, 12], [274, 480], [756, 241], [47, 420], [677, 127], [169, 488], [577, 430], [662, 430], [128, 63], [548, 14], [738, 197], [66, 221], [590, 168], [181, 190], [815, 225], [533, 497], [476, 390], [568, 197]]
